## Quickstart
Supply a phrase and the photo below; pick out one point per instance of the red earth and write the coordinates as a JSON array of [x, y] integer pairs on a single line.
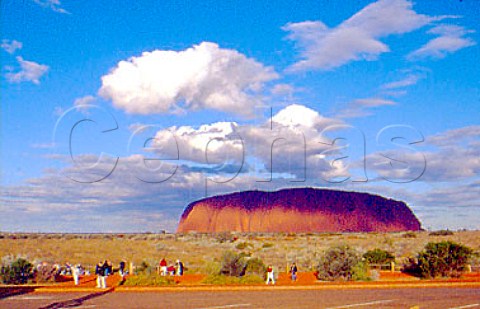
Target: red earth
[[303, 279]]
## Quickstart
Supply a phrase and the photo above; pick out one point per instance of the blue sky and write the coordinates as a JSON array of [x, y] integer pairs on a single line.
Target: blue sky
[[177, 82]]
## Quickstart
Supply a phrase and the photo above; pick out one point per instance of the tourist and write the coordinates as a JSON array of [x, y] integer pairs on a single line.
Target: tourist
[[56, 270], [75, 270], [171, 270], [163, 267], [121, 270], [293, 271], [100, 272], [179, 268], [67, 270], [270, 276], [108, 268]]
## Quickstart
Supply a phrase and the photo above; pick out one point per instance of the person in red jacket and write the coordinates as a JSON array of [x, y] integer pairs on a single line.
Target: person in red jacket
[[163, 267], [270, 276]]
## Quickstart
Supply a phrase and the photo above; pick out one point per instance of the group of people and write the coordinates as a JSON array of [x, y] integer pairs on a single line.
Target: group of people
[[271, 276], [45, 272], [104, 269], [173, 270]]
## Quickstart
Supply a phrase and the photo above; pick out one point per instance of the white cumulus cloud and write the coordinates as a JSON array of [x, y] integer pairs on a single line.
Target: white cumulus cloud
[[299, 115], [202, 77]]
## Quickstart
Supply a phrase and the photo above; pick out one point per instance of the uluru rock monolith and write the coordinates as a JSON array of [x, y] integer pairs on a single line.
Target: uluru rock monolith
[[298, 210]]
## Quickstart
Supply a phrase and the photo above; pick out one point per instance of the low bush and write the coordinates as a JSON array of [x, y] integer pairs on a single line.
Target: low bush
[[17, 272], [225, 280], [233, 264], [211, 268], [255, 266], [145, 268], [267, 245], [341, 263], [360, 272], [243, 245], [378, 256], [441, 233], [445, 259], [148, 280]]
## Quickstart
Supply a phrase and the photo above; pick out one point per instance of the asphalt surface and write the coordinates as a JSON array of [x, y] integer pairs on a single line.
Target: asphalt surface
[[438, 298]]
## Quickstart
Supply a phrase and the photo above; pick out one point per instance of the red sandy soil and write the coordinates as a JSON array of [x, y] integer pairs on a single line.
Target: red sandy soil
[[304, 279]]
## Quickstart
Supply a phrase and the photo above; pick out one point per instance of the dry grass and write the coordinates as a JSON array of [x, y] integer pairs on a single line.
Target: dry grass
[[198, 249]]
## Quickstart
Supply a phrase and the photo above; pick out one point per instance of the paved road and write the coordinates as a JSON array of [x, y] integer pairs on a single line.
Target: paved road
[[437, 298]]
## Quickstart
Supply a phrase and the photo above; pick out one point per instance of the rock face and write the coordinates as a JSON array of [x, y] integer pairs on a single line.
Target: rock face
[[298, 210]]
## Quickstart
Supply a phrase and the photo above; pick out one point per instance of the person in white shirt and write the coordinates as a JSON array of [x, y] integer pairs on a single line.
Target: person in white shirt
[[75, 273]]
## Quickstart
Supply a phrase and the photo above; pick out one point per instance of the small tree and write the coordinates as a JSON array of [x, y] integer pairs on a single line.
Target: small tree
[[338, 263], [233, 264], [378, 256], [255, 266], [446, 259]]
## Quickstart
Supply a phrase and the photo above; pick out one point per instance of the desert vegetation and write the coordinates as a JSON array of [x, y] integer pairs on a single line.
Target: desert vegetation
[[340, 263], [441, 259], [240, 257]]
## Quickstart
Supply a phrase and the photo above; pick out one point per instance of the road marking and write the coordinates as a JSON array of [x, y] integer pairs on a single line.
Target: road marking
[[363, 304], [227, 306], [32, 297], [466, 306]]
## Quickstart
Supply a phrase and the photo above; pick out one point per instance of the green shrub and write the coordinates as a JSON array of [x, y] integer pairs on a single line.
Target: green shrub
[[446, 259], [360, 272], [378, 256], [148, 280], [243, 245], [441, 233], [233, 264], [17, 272], [338, 263], [211, 268], [224, 280], [145, 268], [255, 266]]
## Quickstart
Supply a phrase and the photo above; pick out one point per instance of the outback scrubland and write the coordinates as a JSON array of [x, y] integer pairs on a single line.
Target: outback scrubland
[[197, 251]]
